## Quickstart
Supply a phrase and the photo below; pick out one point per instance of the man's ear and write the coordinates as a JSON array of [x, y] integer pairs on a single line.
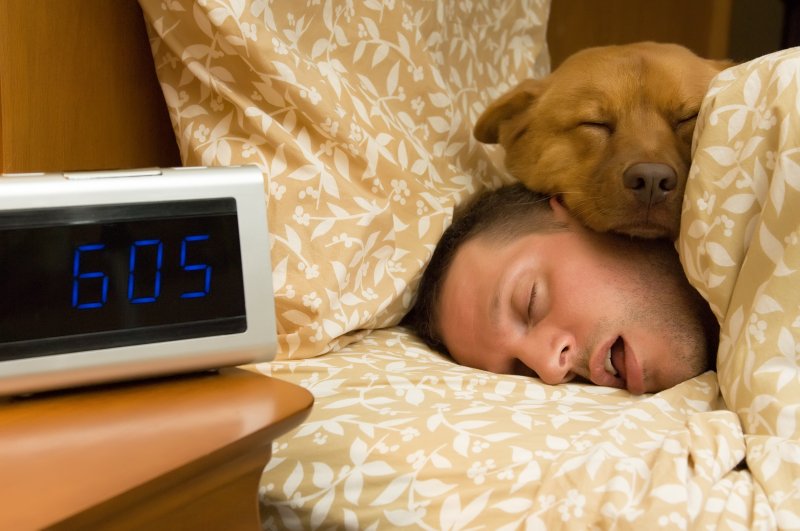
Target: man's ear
[[561, 213]]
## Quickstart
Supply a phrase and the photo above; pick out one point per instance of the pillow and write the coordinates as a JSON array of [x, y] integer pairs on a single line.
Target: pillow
[[740, 238], [360, 116]]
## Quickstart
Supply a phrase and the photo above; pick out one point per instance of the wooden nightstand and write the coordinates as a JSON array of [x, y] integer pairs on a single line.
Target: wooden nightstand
[[178, 453]]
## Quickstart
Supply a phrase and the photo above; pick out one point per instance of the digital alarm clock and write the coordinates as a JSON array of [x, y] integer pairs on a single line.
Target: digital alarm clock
[[127, 274]]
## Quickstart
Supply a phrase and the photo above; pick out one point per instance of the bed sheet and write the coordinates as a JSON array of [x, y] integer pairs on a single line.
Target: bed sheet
[[401, 436]]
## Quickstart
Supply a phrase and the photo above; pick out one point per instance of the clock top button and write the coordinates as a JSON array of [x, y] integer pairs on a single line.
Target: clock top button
[[112, 174]]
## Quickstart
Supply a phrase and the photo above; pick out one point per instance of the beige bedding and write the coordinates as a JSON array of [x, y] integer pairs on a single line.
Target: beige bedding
[[400, 436], [359, 115]]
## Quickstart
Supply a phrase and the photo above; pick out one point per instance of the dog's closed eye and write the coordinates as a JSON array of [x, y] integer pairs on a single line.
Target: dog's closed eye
[[684, 126], [687, 120], [519, 133], [598, 126]]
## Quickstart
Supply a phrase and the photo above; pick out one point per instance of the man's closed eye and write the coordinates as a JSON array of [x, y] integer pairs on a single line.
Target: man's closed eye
[[531, 304]]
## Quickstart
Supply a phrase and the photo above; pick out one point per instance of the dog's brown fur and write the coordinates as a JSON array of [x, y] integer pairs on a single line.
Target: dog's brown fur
[[610, 131]]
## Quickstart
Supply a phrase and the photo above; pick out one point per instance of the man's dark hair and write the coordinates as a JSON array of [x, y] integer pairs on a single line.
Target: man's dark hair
[[503, 215]]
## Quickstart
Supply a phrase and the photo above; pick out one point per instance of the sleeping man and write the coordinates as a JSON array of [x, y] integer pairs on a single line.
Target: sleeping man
[[517, 286]]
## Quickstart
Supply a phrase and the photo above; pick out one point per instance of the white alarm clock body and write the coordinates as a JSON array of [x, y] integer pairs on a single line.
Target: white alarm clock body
[[129, 274]]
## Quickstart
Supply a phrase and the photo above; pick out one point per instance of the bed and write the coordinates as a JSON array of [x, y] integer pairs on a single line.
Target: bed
[[359, 115]]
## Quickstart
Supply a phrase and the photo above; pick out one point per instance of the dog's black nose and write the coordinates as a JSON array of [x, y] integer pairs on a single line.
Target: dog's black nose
[[650, 182]]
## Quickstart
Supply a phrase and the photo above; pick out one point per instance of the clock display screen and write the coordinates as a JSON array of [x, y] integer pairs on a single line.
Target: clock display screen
[[93, 277]]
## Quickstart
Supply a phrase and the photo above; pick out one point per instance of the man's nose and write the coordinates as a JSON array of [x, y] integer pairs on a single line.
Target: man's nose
[[552, 357]]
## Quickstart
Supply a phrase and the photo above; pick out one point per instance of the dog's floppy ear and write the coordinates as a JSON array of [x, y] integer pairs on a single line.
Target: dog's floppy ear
[[510, 104]]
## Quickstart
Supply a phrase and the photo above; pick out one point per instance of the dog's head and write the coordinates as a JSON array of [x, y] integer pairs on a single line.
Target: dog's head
[[610, 131]]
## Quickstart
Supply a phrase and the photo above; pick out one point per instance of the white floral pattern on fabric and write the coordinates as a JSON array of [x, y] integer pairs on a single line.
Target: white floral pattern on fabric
[[360, 116], [740, 245], [400, 436]]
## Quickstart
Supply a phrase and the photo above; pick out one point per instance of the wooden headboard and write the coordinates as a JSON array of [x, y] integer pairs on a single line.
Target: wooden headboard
[[78, 89]]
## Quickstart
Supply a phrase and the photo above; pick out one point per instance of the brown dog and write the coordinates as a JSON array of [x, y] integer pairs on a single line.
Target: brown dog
[[610, 131]]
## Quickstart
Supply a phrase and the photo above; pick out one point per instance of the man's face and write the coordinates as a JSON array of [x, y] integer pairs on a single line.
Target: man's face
[[570, 304]]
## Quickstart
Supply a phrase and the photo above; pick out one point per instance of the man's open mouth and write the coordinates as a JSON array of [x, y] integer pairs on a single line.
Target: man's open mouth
[[615, 359]]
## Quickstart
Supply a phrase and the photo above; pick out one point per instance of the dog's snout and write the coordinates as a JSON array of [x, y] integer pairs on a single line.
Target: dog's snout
[[650, 182]]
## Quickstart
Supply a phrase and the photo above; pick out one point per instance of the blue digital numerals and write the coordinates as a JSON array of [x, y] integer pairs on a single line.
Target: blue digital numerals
[[143, 286], [78, 276], [204, 269], [138, 248]]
